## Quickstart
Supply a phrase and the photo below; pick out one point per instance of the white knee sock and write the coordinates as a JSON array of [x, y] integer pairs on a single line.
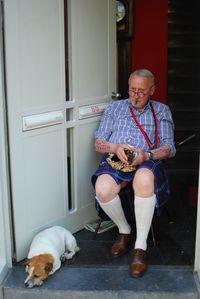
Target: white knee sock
[[114, 210], [144, 210]]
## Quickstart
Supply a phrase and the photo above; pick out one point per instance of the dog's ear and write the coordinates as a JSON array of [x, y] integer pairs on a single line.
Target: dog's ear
[[26, 262], [48, 267]]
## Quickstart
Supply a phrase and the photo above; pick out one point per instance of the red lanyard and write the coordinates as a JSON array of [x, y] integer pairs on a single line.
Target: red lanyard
[[142, 130]]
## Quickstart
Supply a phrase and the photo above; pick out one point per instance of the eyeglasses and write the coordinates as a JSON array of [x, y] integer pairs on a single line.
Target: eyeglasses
[[140, 94]]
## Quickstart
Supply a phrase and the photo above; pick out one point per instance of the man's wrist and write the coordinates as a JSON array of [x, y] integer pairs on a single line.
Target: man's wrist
[[151, 156], [113, 147]]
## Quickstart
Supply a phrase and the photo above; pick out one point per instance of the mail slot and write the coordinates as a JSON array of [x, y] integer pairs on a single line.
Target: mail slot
[[37, 121]]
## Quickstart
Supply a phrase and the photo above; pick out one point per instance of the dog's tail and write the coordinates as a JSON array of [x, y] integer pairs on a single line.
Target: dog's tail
[[77, 248]]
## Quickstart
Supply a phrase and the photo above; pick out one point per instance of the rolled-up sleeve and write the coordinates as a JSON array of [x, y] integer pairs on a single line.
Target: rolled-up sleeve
[[166, 131]]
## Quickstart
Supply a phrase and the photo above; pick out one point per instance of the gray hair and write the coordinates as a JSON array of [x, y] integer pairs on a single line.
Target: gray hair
[[143, 73]]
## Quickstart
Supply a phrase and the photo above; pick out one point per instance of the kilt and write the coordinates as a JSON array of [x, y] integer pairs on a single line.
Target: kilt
[[161, 182]]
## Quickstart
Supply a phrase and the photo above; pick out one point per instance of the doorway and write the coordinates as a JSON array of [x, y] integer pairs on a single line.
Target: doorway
[[183, 99]]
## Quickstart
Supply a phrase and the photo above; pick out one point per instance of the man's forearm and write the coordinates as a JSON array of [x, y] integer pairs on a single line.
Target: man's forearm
[[161, 153], [103, 146]]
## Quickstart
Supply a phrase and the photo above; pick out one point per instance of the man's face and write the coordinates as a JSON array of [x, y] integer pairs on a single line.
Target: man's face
[[140, 88]]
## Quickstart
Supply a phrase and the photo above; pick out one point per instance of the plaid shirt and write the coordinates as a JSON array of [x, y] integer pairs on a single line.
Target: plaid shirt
[[117, 125]]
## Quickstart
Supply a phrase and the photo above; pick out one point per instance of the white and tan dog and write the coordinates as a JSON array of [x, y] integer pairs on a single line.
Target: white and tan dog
[[47, 250]]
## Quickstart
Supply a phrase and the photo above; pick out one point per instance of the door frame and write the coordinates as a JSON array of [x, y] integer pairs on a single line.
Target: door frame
[[197, 243], [5, 208]]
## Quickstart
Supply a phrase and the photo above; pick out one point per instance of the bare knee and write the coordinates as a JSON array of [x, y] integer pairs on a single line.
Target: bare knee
[[105, 193], [106, 188], [143, 183]]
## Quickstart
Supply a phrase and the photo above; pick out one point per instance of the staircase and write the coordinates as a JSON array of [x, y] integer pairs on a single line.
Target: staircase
[[184, 86]]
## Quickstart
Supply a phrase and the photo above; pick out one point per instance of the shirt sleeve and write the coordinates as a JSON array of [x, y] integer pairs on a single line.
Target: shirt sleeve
[[106, 124], [166, 131]]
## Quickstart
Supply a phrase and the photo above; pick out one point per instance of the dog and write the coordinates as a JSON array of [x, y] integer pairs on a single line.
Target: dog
[[48, 249]]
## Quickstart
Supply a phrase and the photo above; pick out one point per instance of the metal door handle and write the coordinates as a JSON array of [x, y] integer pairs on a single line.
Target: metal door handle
[[116, 95]]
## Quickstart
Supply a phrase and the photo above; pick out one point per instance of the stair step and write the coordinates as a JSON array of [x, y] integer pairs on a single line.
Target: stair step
[[106, 283]]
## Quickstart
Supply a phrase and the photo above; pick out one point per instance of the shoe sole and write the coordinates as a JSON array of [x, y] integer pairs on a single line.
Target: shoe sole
[[118, 255], [137, 275]]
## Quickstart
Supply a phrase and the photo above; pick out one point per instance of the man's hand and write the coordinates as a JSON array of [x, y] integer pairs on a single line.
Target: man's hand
[[103, 146], [160, 153], [119, 151], [140, 157]]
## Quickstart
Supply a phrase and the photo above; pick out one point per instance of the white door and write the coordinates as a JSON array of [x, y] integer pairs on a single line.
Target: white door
[[51, 137]]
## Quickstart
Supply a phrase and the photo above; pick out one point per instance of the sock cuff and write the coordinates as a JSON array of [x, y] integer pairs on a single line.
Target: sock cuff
[[112, 201], [153, 197]]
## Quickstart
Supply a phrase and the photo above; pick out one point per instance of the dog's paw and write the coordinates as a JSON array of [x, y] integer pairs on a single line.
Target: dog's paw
[[67, 256], [63, 258]]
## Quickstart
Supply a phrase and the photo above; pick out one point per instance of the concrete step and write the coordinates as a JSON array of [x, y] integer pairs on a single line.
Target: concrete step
[[106, 282]]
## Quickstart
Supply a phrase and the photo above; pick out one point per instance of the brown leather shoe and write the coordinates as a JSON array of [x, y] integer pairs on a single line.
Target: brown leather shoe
[[139, 265], [121, 245]]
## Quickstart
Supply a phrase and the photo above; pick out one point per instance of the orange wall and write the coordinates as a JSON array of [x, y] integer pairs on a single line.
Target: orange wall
[[149, 46]]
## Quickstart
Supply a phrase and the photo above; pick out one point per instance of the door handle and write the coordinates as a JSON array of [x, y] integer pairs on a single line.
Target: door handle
[[116, 95]]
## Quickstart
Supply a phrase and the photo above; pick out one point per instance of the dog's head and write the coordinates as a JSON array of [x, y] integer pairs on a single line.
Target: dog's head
[[38, 269]]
